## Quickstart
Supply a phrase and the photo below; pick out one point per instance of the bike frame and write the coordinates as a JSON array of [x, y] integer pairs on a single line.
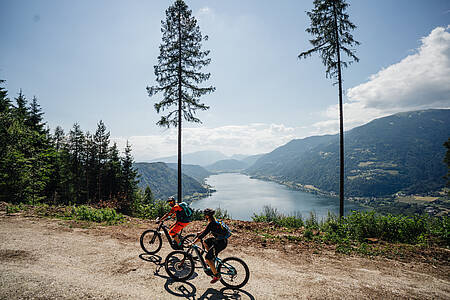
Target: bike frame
[[199, 252], [165, 229]]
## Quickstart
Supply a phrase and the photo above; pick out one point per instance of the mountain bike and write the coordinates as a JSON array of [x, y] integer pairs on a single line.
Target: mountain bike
[[180, 266], [151, 239]]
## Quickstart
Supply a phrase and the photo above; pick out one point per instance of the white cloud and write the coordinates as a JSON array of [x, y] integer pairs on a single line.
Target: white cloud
[[242, 139], [205, 13], [419, 81]]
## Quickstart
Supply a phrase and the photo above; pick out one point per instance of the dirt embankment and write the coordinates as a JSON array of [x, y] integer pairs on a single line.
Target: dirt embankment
[[42, 258]]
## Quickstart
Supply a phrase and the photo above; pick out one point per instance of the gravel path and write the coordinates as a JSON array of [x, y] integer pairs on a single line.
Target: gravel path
[[52, 259]]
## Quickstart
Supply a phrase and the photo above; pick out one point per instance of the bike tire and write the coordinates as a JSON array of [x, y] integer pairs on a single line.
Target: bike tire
[[235, 276], [179, 265], [151, 241]]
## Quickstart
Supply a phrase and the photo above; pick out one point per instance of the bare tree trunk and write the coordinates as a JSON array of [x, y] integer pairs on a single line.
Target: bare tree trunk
[[180, 100], [341, 122]]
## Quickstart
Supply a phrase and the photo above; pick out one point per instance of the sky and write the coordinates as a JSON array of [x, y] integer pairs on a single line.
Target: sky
[[87, 61]]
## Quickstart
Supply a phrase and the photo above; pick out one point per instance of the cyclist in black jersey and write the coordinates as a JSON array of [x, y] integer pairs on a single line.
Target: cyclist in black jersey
[[215, 244]]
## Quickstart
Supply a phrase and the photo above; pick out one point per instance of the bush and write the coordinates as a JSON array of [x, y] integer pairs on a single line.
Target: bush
[[11, 208], [87, 213], [271, 215], [397, 229], [197, 215], [222, 214], [359, 226], [151, 211]]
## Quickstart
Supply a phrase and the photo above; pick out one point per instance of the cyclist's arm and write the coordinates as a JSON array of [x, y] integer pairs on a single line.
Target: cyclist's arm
[[171, 212], [203, 233]]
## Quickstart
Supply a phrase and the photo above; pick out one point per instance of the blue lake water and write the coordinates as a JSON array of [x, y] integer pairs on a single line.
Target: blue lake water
[[242, 196]]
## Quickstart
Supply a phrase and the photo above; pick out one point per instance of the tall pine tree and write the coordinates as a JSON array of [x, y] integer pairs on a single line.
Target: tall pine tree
[[178, 72], [330, 26], [101, 141], [76, 150], [35, 119], [129, 179]]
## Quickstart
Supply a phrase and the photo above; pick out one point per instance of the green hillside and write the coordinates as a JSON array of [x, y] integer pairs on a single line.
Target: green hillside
[[163, 180], [197, 172], [402, 152]]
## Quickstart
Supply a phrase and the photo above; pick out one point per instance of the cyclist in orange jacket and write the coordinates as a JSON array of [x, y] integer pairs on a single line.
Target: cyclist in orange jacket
[[182, 220]]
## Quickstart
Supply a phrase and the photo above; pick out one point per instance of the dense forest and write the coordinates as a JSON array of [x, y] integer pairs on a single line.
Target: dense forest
[[39, 166]]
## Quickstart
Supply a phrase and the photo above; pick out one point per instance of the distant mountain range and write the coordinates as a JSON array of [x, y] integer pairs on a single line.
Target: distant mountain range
[[162, 180], [207, 158], [201, 158], [197, 172], [403, 152], [227, 166]]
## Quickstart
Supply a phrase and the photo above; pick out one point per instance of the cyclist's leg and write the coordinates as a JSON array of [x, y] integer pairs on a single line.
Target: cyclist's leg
[[208, 243], [175, 229], [219, 246], [211, 255]]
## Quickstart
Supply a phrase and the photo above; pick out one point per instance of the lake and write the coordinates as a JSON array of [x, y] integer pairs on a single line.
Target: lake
[[242, 196]]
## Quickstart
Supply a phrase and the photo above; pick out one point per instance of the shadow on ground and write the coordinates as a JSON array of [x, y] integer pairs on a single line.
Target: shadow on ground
[[187, 290]]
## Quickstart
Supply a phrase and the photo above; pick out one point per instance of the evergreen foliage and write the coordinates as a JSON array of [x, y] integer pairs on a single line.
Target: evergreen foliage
[[179, 72], [78, 168]]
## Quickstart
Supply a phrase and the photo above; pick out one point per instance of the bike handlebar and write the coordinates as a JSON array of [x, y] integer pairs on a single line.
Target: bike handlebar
[[158, 219]]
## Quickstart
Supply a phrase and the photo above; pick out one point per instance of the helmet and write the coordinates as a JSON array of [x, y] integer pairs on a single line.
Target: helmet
[[170, 199], [209, 212]]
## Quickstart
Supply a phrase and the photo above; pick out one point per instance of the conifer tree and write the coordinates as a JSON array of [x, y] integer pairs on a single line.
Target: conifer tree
[[148, 196], [113, 173], [21, 111], [5, 103], [59, 138], [178, 72], [129, 179], [6, 120], [91, 167], [101, 141], [75, 145], [55, 190], [330, 26], [35, 119]]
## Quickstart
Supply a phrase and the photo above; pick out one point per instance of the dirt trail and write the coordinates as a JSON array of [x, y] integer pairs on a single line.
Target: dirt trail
[[44, 258]]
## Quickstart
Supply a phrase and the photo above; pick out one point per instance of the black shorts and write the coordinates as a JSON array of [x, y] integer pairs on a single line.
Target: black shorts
[[214, 246]]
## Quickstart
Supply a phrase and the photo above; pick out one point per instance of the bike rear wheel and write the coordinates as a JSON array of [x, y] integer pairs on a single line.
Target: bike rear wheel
[[151, 241], [234, 272], [179, 265]]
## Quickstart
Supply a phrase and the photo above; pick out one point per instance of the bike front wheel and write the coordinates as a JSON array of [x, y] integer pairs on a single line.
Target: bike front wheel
[[151, 241], [234, 272], [179, 265]]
